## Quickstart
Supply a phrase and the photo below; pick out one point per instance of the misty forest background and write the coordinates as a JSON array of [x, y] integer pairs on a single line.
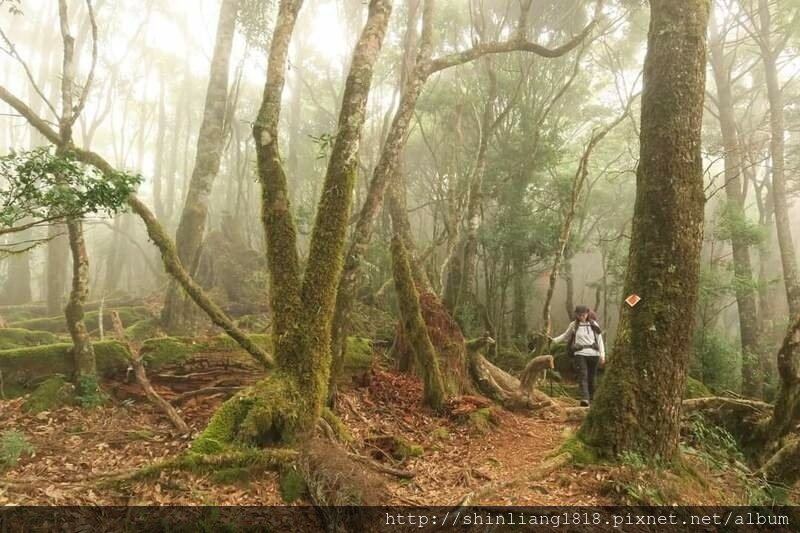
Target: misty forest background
[[421, 188]]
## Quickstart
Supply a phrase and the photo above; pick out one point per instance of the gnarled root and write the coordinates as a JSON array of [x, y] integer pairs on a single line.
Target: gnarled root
[[746, 420], [504, 388]]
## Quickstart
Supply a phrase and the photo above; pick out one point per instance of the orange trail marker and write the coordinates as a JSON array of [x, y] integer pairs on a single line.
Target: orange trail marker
[[633, 299]]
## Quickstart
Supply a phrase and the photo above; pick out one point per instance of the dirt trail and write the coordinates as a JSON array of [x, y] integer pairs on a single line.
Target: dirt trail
[[458, 456]]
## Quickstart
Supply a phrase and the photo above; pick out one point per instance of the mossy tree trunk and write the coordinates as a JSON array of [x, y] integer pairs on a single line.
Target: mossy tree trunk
[[752, 371], [415, 329], [425, 66], [82, 350], [638, 405], [286, 406], [178, 310]]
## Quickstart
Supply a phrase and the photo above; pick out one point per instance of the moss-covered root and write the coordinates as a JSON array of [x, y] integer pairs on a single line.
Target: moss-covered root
[[269, 412], [250, 459], [339, 431], [51, 394]]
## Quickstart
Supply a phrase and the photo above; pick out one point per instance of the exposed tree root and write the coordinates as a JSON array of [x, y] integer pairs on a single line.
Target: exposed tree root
[[540, 472], [254, 458]]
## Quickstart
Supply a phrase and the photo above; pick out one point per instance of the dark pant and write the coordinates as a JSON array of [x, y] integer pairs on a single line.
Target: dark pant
[[587, 373]]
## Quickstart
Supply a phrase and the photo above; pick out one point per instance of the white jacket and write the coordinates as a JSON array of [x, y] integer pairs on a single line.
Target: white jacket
[[585, 337]]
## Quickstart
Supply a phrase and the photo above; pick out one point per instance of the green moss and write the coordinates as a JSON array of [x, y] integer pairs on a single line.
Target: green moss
[[144, 329], [292, 485], [21, 366], [509, 359], [268, 412], [18, 337], [51, 394], [440, 433], [581, 453], [58, 324], [341, 431], [481, 420], [403, 449], [358, 355], [231, 476], [695, 389]]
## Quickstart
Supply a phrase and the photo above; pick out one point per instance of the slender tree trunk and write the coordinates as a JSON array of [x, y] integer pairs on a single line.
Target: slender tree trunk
[[158, 173], [752, 371], [780, 202], [519, 319], [569, 282], [82, 350], [56, 268], [638, 405], [191, 229]]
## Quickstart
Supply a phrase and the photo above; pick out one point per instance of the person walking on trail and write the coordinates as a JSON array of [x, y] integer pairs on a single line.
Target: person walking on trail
[[585, 342]]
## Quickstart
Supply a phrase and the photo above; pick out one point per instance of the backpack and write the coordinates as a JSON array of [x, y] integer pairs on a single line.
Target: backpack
[[571, 341]]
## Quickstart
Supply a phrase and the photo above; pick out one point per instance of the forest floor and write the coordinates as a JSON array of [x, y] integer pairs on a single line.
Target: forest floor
[[74, 449], [495, 458]]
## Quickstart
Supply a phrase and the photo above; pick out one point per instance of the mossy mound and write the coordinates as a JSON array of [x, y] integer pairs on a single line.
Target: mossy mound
[[266, 413], [148, 328], [52, 393], [482, 420], [695, 389], [22, 366], [19, 337], [58, 324]]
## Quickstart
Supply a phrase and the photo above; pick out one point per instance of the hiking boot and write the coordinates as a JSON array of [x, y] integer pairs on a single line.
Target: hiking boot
[[584, 403]]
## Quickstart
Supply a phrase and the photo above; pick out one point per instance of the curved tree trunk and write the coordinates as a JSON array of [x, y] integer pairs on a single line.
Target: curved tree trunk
[[178, 310], [638, 405]]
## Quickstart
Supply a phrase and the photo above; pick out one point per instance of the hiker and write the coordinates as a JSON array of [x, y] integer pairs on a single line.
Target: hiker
[[585, 342]]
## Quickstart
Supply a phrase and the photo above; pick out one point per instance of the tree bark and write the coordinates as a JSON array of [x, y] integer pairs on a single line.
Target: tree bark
[[191, 228], [769, 56], [752, 371], [415, 329], [638, 405]]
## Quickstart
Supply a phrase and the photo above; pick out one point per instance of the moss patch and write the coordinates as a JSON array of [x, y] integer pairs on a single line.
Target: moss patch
[[268, 412], [51, 394], [22, 366], [581, 453], [482, 420], [19, 337], [58, 324], [144, 329], [695, 389], [292, 485]]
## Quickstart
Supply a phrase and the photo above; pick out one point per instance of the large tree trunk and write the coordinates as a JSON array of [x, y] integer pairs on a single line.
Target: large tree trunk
[[769, 57], [639, 402], [189, 237], [752, 371], [287, 405]]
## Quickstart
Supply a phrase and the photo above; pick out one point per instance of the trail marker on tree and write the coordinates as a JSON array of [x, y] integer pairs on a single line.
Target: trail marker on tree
[[633, 299]]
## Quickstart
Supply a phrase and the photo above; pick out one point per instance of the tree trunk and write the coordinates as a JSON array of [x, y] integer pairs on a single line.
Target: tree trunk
[[191, 229], [752, 371], [519, 318], [82, 351], [776, 147], [638, 405], [287, 405], [415, 330], [56, 268], [17, 288]]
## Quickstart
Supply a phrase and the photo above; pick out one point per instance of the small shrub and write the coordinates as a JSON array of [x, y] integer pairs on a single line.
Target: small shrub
[[13, 445]]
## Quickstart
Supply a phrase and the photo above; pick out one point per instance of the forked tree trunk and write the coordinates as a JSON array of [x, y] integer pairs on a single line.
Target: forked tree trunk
[[286, 406], [638, 405], [178, 310]]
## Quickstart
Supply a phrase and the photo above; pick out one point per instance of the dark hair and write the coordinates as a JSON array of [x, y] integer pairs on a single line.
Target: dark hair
[[580, 309]]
